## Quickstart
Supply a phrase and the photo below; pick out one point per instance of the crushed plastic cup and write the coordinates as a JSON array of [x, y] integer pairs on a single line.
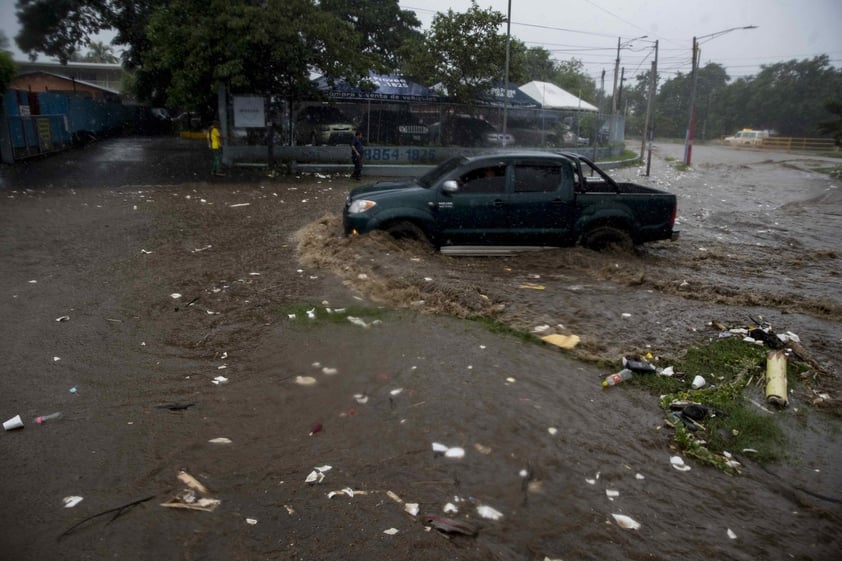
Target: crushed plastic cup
[[14, 423], [698, 382]]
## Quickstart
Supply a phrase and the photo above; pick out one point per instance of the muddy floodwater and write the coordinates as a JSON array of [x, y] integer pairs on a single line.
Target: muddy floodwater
[[159, 310]]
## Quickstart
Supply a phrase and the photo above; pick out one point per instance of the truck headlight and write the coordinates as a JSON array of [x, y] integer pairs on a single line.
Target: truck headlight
[[360, 205]]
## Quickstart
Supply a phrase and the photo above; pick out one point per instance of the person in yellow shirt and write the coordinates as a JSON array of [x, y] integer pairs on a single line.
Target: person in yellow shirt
[[215, 144]]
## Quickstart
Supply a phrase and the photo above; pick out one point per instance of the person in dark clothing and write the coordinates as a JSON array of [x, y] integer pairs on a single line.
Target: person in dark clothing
[[357, 155]]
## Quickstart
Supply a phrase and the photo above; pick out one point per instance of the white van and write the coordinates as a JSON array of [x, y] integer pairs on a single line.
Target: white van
[[746, 137]]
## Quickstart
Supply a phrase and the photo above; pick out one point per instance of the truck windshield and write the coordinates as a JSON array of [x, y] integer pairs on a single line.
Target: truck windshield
[[429, 179]]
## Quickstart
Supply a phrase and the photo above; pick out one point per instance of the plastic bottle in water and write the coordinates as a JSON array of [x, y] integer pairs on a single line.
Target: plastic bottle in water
[[615, 379], [51, 417]]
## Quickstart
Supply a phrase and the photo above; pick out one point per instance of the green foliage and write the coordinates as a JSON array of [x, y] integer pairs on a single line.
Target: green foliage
[[58, 28], [382, 25], [463, 51], [729, 366], [790, 98], [8, 69], [833, 127], [268, 47]]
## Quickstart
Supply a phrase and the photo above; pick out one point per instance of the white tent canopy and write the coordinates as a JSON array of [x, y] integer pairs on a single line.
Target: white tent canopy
[[550, 96]]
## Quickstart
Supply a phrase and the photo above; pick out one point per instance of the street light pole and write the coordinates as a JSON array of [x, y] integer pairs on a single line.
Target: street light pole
[[691, 123], [506, 84]]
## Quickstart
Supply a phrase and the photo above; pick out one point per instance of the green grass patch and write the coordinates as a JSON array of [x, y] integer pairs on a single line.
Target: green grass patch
[[732, 369], [835, 172]]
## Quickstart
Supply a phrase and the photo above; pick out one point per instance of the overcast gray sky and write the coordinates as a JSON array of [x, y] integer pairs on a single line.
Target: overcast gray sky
[[588, 30]]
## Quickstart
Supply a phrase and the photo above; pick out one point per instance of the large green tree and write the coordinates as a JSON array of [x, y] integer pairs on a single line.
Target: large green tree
[[382, 25], [267, 47], [463, 51], [8, 68]]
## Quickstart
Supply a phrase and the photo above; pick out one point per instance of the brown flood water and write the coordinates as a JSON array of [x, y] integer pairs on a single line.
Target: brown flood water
[[543, 442]]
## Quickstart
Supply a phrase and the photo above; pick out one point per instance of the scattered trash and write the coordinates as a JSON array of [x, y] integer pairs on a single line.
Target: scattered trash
[[391, 531], [305, 380], [219, 380], [698, 382], [639, 476], [63, 318], [358, 321], [626, 522], [51, 417], [731, 534], [450, 525], [311, 314], [237, 205], [484, 450], [776, 378], [678, 463], [625, 315], [668, 371], [637, 365], [614, 379], [330, 371], [612, 494], [396, 391], [562, 341], [14, 423], [220, 440], [411, 508], [318, 474], [450, 508], [448, 452], [552, 430], [73, 390], [56, 358], [394, 496], [71, 501], [315, 428], [541, 328], [251, 521], [189, 498], [346, 491], [361, 398], [489, 513], [175, 295], [533, 286]]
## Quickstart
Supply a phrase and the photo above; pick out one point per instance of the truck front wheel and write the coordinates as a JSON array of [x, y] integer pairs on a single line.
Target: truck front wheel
[[607, 238], [405, 230]]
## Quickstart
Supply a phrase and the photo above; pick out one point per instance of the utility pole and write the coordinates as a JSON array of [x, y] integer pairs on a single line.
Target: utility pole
[[506, 84], [691, 125], [650, 105], [611, 124]]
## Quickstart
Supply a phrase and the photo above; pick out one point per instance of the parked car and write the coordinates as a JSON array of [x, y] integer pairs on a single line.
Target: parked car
[[464, 130], [746, 137], [398, 128], [323, 124], [514, 198]]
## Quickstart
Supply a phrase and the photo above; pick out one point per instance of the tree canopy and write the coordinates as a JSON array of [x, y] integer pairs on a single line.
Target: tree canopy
[[8, 69]]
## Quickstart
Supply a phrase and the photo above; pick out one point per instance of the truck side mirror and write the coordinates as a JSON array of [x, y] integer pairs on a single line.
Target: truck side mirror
[[450, 186]]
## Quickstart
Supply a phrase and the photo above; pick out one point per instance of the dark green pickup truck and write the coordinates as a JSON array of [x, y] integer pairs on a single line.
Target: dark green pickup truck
[[514, 199]]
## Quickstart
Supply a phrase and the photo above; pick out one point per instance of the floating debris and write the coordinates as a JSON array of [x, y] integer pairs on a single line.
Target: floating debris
[[626, 522], [318, 474], [731, 534], [220, 440], [251, 521], [562, 341], [612, 494], [71, 501], [678, 463], [330, 371], [175, 295], [450, 525], [219, 380], [305, 380], [489, 513], [63, 318], [238, 205], [391, 531]]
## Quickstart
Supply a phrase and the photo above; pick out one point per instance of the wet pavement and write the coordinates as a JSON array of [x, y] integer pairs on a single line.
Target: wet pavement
[[109, 234]]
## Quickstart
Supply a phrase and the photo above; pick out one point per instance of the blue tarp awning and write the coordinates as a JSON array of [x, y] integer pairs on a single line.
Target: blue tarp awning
[[386, 88]]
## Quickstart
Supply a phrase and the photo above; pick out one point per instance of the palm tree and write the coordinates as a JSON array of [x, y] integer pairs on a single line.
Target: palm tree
[[100, 52]]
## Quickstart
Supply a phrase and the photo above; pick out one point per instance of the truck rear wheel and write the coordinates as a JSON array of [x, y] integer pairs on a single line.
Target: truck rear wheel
[[604, 238]]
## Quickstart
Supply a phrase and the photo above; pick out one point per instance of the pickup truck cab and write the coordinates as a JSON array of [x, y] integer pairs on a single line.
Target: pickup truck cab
[[514, 199]]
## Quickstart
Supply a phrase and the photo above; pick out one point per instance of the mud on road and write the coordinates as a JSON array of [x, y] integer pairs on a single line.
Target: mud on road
[[543, 442]]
